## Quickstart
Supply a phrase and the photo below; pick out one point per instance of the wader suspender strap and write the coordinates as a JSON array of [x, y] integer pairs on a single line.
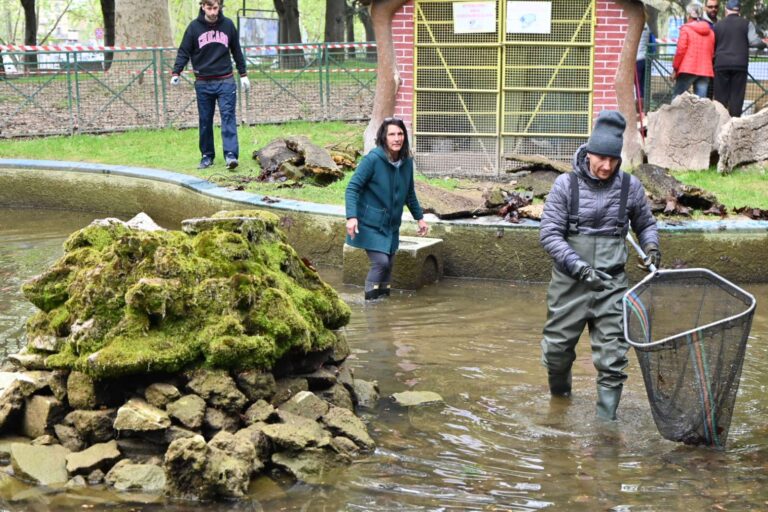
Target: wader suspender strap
[[621, 222], [573, 211]]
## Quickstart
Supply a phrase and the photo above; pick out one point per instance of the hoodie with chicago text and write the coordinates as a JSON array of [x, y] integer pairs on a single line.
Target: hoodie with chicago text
[[209, 45]]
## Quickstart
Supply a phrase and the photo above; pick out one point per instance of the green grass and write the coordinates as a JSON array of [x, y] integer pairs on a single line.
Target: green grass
[[743, 187], [176, 150]]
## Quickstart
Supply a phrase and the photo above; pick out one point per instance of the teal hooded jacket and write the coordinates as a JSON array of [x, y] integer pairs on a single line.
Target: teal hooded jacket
[[376, 195]]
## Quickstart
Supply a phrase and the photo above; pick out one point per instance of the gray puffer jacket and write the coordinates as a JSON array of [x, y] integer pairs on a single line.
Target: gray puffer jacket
[[598, 212]]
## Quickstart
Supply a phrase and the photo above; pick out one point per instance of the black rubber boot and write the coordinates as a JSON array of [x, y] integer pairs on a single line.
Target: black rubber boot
[[384, 289], [560, 384], [372, 290], [607, 402]]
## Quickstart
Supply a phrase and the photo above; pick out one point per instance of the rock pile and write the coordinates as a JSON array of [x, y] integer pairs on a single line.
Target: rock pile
[[182, 362]]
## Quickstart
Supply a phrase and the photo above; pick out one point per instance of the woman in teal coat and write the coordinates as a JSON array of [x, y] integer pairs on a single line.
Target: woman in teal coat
[[381, 186]]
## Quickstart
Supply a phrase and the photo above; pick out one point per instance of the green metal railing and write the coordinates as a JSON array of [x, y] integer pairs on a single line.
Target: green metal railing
[[659, 83], [87, 91]]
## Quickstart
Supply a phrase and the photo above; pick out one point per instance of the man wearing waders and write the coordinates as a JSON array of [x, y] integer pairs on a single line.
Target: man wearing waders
[[583, 228]]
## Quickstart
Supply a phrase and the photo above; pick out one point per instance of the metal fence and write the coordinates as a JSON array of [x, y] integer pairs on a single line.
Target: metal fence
[[67, 90], [659, 83]]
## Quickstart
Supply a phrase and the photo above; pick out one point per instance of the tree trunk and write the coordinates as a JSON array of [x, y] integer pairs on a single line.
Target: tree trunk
[[370, 37], [289, 33], [30, 33], [625, 81], [108, 15], [335, 14], [387, 75], [137, 25], [349, 24]]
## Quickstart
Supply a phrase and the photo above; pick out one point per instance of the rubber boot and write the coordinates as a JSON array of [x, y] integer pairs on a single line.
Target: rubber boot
[[560, 383], [607, 402], [384, 289], [372, 290]]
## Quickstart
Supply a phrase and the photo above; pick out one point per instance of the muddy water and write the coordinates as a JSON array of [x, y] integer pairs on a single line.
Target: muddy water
[[498, 443]]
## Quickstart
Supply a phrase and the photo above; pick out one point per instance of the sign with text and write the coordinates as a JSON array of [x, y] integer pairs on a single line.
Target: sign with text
[[474, 17]]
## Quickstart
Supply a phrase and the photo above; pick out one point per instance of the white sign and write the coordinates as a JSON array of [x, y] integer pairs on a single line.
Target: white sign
[[529, 17], [474, 17]]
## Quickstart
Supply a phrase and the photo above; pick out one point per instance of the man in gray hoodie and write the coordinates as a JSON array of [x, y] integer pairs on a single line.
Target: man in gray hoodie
[[586, 218]]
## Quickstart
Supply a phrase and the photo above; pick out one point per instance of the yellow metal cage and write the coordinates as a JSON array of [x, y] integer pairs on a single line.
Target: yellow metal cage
[[500, 77]]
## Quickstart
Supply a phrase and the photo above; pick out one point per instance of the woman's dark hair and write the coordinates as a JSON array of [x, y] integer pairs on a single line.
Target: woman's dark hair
[[381, 136]]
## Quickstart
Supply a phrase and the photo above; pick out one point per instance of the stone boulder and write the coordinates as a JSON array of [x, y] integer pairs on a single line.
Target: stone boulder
[[44, 465], [138, 416], [97, 456], [127, 476], [189, 410], [743, 141], [225, 292], [683, 135]]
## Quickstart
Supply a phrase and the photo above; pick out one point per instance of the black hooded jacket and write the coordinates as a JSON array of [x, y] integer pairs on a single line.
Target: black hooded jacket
[[209, 46]]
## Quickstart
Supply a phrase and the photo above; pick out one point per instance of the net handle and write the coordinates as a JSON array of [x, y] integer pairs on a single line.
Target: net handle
[[640, 252]]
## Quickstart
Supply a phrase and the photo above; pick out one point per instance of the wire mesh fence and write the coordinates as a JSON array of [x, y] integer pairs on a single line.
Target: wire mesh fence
[[484, 95], [659, 82], [66, 90]]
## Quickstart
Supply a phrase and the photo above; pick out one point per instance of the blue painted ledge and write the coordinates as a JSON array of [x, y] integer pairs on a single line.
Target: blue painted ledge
[[207, 188]]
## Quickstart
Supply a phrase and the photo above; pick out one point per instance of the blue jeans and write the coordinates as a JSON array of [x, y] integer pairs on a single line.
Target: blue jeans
[[208, 92], [684, 81]]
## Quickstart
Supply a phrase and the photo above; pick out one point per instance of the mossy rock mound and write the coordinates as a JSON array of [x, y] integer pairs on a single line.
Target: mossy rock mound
[[226, 292]]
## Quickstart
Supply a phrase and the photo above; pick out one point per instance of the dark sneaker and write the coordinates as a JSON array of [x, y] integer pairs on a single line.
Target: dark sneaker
[[205, 163], [231, 162]]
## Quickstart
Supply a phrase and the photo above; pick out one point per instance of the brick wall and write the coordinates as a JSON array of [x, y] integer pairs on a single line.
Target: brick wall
[[402, 36], [609, 38]]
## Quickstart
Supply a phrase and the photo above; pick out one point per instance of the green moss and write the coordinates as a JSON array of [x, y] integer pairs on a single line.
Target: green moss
[[49, 290], [228, 292]]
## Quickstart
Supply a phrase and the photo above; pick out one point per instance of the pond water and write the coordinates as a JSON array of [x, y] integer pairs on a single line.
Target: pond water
[[497, 443]]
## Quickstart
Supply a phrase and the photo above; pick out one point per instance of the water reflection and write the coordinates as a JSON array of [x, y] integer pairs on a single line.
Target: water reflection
[[498, 443]]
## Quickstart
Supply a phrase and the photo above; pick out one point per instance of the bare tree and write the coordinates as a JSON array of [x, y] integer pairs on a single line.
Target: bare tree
[[289, 32], [137, 25], [108, 15], [56, 23], [388, 79], [335, 16], [624, 83], [30, 32]]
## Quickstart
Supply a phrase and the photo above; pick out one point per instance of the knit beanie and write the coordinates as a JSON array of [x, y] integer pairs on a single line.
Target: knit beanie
[[733, 5], [607, 136]]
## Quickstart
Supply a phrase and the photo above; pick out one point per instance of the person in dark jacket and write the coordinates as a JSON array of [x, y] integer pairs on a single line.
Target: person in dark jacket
[[381, 186], [586, 218], [208, 42], [733, 37]]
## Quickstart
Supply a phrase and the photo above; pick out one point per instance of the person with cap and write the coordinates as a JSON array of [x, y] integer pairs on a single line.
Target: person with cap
[[587, 215], [734, 36], [692, 64], [208, 42]]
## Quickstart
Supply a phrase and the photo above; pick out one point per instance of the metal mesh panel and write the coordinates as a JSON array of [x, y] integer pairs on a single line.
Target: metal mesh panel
[[434, 24], [457, 156], [457, 112], [126, 96], [690, 330], [532, 92], [99, 91], [556, 148], [36, 99], [570, 23]]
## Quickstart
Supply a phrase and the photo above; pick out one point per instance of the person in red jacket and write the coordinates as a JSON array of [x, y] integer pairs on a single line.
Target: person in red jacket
[[692, 64]]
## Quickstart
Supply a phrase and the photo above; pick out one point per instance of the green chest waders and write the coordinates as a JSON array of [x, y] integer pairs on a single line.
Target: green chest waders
[[572, 306]]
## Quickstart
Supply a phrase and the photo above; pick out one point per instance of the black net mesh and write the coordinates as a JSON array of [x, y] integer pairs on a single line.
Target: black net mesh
[[690, 328]]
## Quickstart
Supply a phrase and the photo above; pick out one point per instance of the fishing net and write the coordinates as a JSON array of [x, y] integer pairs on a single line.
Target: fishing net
[[689, 329]]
